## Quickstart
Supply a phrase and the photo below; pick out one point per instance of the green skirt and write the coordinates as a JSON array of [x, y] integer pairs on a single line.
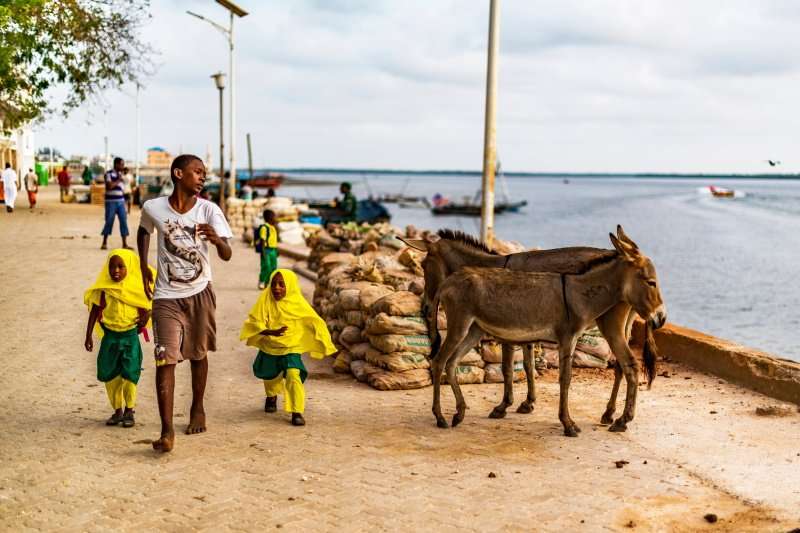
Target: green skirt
[[120, 355], [268, 366]]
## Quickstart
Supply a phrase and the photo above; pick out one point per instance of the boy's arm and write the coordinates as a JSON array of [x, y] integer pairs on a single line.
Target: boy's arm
[[208, 232], [143, 245]]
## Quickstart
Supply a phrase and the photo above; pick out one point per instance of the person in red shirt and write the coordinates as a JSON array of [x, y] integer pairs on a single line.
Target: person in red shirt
[[63, 182]]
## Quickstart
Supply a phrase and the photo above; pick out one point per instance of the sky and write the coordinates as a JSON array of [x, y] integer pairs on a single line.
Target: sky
[[601, 86]]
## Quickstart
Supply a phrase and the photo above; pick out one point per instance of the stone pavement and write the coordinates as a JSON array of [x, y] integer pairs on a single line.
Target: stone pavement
[[367, 460]]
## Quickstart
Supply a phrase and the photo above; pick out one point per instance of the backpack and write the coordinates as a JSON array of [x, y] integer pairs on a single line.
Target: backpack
[[259, 244]]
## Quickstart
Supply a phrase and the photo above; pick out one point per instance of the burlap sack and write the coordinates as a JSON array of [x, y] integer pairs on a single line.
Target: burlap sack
[[410, 379], [401, 343], [383, 324], [400, 303], [398, 361]]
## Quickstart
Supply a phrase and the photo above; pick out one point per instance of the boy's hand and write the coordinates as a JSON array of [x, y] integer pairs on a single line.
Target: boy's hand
[[207, 232], [88, 344], [147, 276]]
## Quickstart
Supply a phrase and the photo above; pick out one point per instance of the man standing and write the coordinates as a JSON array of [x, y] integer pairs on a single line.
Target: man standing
[[87, 175], [31, 186], [63, 183], [10, 187], [184, 304], [347, 206], [115, 204]]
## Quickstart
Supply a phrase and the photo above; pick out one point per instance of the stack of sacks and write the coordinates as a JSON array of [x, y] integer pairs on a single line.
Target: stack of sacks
[[492, 354], [244, 215]]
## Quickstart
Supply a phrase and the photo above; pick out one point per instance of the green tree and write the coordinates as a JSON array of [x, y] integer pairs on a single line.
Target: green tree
[[85, 46]]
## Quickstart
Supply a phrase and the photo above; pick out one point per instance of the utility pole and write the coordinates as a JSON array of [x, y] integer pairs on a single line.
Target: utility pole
[[219, 80], [105, 139], [490, 127], [249, 157], [138, 137]]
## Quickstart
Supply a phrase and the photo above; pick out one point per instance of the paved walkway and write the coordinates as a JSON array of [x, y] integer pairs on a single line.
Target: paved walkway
[[367, 460]]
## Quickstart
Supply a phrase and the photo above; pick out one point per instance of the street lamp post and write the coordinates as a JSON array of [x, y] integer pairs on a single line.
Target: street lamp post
[[219, 80], [228, 32], [490, 127]]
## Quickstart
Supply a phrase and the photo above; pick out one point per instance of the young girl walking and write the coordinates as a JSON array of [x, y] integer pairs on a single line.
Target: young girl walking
[[283, 326], [118, 309]]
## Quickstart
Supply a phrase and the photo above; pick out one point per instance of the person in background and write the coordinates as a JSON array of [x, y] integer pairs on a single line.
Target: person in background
[[115, 204], [10, 187], [87, 175], [127, 188], [266, 244], [31, 187], [348, 205], [63, 183], [270, 193]]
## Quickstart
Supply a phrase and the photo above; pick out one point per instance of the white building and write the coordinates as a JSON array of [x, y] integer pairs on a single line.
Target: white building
[[17, 149]]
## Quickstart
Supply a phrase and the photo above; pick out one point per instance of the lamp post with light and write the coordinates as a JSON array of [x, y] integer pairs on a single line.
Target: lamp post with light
[[219, 81], [228, 32]]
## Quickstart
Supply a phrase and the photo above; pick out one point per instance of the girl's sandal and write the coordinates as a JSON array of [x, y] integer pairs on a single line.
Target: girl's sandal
[[127, 420], [271, 404], [114, 420]]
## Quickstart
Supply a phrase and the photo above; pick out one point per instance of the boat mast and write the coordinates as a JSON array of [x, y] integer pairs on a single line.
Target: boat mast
[[490, 128]]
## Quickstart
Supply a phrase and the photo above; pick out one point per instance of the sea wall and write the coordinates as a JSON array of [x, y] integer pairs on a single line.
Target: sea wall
[[750, 368]]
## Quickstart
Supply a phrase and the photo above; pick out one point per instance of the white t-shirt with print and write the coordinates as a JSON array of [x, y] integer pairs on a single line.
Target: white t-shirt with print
[[184, 268]]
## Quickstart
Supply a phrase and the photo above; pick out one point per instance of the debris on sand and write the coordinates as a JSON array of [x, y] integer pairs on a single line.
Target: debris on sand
[[711, 518], [774, 410], [621, 463], [492, 475]]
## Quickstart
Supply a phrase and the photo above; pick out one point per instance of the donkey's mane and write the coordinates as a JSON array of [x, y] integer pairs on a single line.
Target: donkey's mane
[[466, 239]]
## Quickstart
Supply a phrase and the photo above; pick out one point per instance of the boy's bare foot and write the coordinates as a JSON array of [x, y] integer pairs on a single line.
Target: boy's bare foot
[[271, 404], [115, 419], [197, 422], [165, 443], [298, 420]]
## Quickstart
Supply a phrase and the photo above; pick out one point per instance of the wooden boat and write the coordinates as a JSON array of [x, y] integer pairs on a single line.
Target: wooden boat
[[271, 180], [719, 192], [474, 210]]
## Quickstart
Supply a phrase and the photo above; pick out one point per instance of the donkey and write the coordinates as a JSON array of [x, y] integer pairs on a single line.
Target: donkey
[[454, 250], [522, 307]]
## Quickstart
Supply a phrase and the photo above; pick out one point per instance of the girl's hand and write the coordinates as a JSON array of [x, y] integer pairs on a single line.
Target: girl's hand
[[88, 344], [280, 331], [144, 316], [275, 332]]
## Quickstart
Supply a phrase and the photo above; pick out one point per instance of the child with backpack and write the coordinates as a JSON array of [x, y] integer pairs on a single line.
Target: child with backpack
[[266, 243]]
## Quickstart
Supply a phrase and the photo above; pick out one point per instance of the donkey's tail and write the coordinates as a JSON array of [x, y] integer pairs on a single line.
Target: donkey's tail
[[649, 354], [433, 326]]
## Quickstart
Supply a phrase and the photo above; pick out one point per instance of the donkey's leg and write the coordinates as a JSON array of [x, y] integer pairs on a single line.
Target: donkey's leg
[[508, 383], [530, 375], [613, 326], [455, 335], [608, 415], [566, 349], [469, 342]]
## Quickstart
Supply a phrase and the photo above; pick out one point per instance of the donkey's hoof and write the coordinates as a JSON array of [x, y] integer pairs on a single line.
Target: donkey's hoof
[[607, 418], [442, 423], [618, 426], [571, 431], [457, 419], [525, 408], [497, 413]]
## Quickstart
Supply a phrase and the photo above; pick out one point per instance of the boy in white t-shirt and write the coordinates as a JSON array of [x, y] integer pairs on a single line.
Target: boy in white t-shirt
[[183, 301]]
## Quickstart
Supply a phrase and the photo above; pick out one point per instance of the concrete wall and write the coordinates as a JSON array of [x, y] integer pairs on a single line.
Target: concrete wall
[[750, 368]]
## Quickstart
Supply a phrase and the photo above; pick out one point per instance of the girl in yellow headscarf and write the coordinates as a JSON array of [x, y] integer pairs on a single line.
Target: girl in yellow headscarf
[[283, 326], [118, 310]]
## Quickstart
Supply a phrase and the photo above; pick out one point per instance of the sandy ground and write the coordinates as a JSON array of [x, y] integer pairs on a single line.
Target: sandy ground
[[367, 460]]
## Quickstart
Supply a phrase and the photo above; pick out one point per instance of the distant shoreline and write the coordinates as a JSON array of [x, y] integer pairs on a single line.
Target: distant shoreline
[[569, 175]]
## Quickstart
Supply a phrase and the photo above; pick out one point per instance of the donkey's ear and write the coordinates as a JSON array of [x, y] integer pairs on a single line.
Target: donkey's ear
[[417, 244], [624, 237], [624, 249]]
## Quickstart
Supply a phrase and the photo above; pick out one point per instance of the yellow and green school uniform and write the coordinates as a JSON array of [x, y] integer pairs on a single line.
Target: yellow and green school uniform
[[278, 362], [119, 360], [268, 236]]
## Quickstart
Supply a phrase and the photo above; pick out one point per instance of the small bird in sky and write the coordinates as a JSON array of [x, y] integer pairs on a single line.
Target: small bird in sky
[[772, 163]]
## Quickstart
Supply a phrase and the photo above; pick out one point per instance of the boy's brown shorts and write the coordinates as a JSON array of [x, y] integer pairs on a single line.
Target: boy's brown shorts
[[185, 328]]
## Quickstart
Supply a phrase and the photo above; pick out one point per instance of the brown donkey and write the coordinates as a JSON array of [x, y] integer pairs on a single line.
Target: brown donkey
[[523, 307], [454, 250]]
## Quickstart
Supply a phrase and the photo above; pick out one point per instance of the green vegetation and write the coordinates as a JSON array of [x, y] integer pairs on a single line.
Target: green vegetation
[[85, 46]]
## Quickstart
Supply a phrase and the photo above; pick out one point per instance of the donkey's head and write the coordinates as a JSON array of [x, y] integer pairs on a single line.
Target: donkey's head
[[434, 264], [640, 286]]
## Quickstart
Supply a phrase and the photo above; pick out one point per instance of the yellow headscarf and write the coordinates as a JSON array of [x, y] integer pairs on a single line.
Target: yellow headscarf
[[306, 331], [129, 291]]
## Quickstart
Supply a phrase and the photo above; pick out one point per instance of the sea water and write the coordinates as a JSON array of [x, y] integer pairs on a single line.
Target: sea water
[[727, 267]]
